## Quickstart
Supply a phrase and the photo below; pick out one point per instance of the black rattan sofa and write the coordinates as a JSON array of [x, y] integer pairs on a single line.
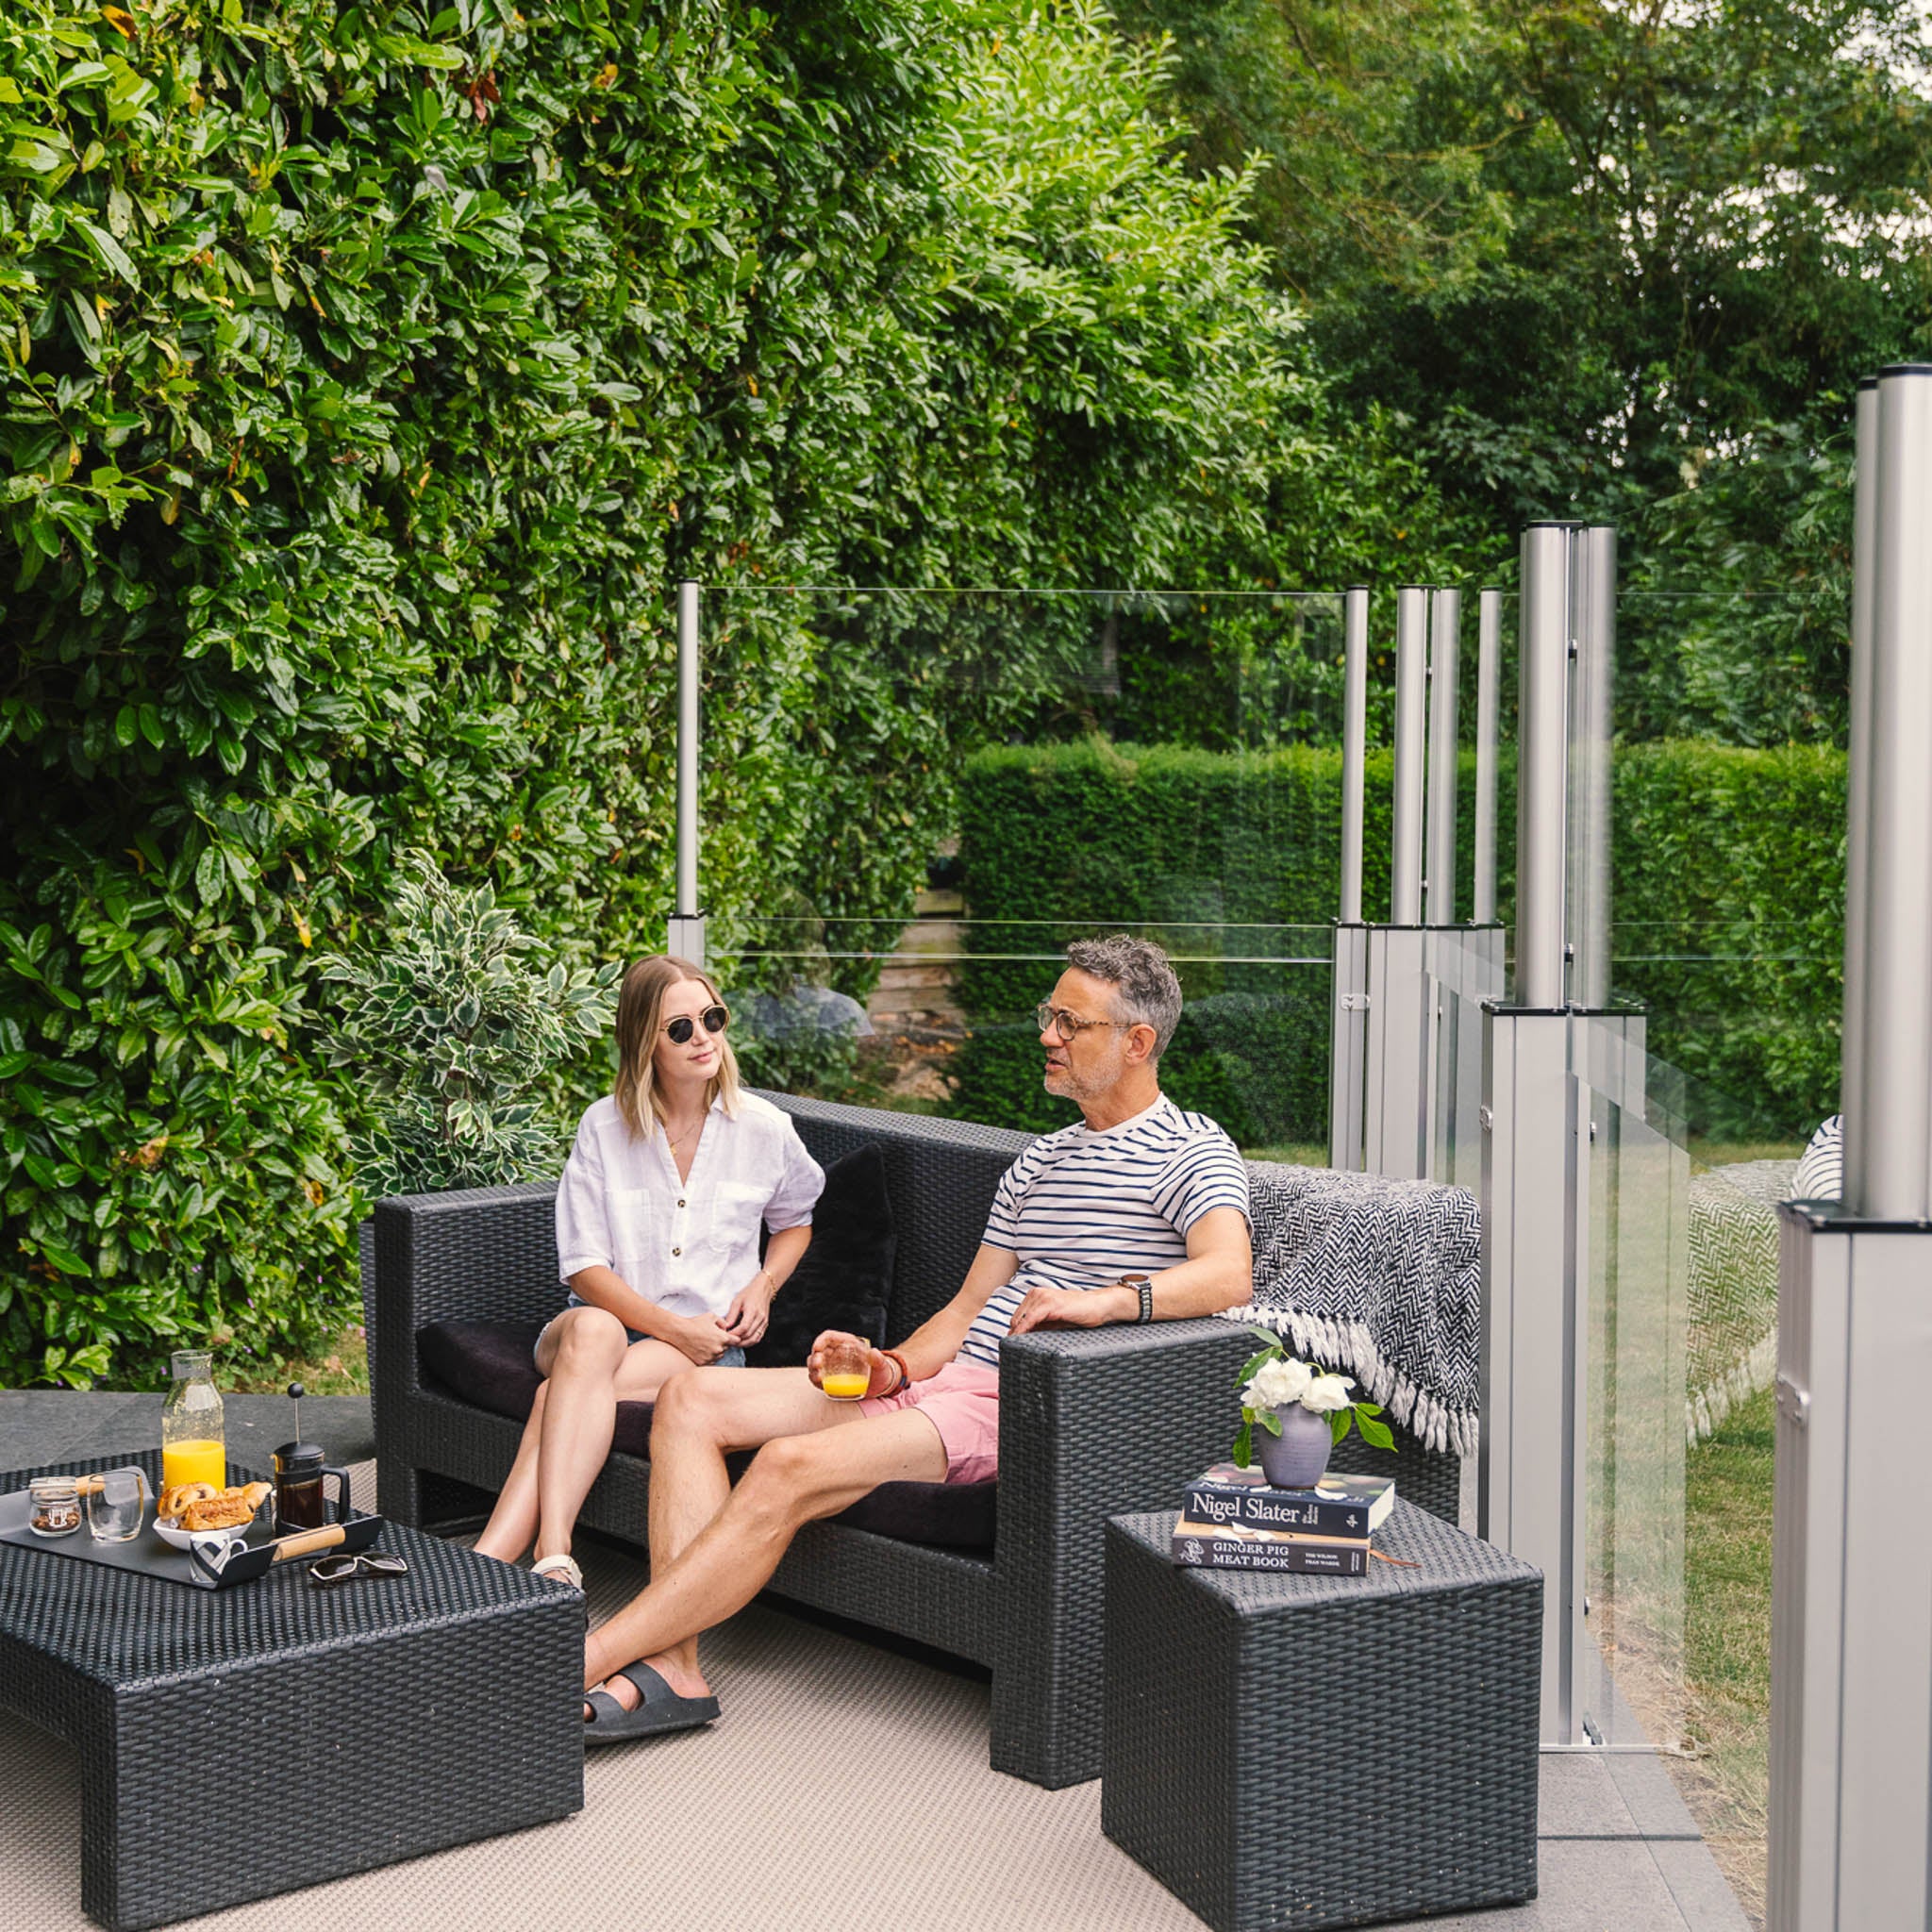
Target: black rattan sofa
[[1092, 1422]]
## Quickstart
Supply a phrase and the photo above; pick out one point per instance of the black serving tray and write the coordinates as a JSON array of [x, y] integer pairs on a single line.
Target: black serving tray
[[146, 1554]]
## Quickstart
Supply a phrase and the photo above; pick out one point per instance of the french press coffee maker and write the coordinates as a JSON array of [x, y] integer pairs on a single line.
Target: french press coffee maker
[[301, 1469]]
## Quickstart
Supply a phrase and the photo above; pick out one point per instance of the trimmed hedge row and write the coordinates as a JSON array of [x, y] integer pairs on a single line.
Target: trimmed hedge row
[[1730, 874]]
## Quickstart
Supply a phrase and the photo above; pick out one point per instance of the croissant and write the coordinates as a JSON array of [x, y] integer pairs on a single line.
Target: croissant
[[176, 1498]]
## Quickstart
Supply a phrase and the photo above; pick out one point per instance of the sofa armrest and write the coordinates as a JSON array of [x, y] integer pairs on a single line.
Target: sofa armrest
[[478, 1254], [1093, 1422]]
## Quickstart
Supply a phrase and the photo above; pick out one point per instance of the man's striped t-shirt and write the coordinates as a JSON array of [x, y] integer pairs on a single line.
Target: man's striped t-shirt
[[1082, 1209]]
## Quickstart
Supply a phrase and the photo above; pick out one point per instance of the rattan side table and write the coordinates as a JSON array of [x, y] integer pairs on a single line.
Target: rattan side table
[[289, 1733], [1320, 1749]]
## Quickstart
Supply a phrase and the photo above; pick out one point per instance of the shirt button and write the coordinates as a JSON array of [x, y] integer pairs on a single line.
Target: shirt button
[[680, 1203], [677, 1251]]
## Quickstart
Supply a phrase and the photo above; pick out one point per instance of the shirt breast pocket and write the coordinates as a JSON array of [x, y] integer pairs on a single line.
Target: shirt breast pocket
[[735, 1212]]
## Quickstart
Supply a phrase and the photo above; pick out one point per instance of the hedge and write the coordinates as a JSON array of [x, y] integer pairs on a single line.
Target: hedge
[[371, 374], [1728, 870]]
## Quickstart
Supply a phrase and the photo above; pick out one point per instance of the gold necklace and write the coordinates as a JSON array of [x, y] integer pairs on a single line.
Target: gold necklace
[[672, 1146]]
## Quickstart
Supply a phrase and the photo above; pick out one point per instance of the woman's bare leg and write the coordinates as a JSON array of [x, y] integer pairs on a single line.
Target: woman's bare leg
[[580, 1418], [589, 1367], [513, 1521]]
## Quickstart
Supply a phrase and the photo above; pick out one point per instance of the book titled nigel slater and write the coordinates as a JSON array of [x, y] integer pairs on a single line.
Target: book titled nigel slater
[[1201, 1547], [1341, 1505]]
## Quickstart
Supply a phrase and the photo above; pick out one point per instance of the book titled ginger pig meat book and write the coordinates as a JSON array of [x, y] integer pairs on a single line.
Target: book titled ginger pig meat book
[[1342, 1506], [1228, 1546]]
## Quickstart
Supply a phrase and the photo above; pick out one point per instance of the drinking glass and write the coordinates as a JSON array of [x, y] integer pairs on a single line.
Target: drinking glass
[[845, 1368], [116, 1501]]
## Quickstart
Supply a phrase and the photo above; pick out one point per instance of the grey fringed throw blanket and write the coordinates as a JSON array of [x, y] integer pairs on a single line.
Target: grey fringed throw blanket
[[1379, 1280]]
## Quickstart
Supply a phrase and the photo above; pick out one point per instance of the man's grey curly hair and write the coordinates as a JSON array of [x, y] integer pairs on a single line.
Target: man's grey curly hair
[[1145, 990]]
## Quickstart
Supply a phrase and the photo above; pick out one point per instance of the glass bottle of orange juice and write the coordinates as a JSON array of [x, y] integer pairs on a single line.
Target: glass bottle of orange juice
[[194, 1449]]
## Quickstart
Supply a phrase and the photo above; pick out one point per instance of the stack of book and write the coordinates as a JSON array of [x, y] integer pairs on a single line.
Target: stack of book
[[1232, 1519]]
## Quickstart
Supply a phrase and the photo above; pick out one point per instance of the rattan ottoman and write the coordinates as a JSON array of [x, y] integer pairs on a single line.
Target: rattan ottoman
[[240, 1744], [1320, 1749]]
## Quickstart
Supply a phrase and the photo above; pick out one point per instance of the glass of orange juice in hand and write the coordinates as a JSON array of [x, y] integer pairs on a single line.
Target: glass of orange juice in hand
[[845, 1368]]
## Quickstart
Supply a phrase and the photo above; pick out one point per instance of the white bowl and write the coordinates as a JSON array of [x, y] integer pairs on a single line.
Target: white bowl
[[182, 1539]]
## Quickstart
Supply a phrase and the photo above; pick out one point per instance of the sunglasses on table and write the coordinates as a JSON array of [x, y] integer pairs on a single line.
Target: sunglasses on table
[[366, 1563], [715, 1021], [1065, 1027]]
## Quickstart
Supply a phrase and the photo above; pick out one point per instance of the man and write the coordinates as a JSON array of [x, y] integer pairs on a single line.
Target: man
[[1137, 1212]]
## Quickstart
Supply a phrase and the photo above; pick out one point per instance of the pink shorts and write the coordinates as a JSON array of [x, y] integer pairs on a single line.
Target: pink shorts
[[962, 1402]]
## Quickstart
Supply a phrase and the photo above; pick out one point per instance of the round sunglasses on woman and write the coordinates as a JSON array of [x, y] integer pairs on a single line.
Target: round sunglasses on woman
[[716, 1018]]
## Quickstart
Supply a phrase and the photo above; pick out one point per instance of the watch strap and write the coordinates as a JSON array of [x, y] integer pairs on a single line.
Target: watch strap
[[1143, 1287]]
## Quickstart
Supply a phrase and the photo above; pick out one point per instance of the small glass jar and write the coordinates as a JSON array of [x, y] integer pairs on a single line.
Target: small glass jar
[[54, 1506]]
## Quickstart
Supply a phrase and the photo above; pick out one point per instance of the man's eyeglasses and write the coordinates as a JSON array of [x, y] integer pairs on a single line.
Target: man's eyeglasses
[[1063, 1026], [339, 1569], [715, 1018]]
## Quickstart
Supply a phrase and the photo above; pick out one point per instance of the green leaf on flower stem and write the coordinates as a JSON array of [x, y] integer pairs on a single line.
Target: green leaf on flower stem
[[1243, 1443], [1266, 1335], [1375, 1434], [1252, 1364], [1340, 1421]]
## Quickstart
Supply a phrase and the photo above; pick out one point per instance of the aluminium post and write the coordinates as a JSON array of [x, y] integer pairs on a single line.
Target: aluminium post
[[1593, 581], [1542, 738], [1851, 1686], [1851, 1098], [1488, 651], [686, 927], [1349, 1018], [1355, 735], [1405, 848], [1895, 1090], [1445, 654]]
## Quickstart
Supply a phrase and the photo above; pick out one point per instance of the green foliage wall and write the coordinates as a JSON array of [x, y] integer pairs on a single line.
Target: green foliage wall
[[1728, 870], [369, 376]]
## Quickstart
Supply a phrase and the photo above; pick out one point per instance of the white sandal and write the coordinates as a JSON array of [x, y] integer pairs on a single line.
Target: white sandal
[[563, 1568]]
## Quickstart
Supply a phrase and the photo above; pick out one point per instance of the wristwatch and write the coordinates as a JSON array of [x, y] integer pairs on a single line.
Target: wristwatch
[[1144, 1288]]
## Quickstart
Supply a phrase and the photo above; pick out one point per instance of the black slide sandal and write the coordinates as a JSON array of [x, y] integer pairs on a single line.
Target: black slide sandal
[[660, 1710]]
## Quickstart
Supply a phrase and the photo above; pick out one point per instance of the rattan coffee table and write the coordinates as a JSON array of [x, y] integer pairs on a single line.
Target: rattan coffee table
[[287, 1733], [1294, 1750]]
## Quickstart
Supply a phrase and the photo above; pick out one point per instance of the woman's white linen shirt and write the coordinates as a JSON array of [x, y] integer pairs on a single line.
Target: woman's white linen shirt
[[689, 1245]]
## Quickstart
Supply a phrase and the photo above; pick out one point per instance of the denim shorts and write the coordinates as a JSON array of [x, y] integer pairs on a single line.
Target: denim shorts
[[733, 1357]]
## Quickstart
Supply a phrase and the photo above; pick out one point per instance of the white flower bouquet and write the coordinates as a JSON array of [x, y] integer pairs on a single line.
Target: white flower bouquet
[[1271, 1381]]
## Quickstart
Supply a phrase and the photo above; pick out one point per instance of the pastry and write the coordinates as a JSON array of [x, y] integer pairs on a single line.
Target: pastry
[[178, 1497], [218, 1512]]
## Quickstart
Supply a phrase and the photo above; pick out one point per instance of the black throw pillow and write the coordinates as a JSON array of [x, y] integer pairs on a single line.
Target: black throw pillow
[[846, 1276]]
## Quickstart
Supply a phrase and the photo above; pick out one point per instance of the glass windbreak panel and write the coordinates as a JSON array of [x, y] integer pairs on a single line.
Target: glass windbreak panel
[[1465, 971], [1637, 1265], [975, 778], [1725, 916]]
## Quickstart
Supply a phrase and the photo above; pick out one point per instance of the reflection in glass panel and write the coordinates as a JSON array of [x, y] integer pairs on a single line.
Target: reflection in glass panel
[[988, 775]]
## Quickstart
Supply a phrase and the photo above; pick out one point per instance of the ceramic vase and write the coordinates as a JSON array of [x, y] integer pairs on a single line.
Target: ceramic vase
[[1295, 1458]]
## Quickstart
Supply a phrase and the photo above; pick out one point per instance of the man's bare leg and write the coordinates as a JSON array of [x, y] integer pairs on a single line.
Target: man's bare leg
[[792, 1481], [698, 1418]]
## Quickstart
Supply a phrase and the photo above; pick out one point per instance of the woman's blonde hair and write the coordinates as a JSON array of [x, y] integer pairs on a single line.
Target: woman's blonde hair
[[640, 1020]]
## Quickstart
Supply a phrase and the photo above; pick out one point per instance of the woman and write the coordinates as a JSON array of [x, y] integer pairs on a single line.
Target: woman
[[657, 1220]]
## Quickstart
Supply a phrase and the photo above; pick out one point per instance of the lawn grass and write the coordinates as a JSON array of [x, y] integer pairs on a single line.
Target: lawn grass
[[340, 1369], [1728, 1643]]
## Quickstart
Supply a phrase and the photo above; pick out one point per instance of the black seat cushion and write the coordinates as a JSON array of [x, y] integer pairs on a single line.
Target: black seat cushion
[[960, 1515], [488, 1365], [845, 1278]]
